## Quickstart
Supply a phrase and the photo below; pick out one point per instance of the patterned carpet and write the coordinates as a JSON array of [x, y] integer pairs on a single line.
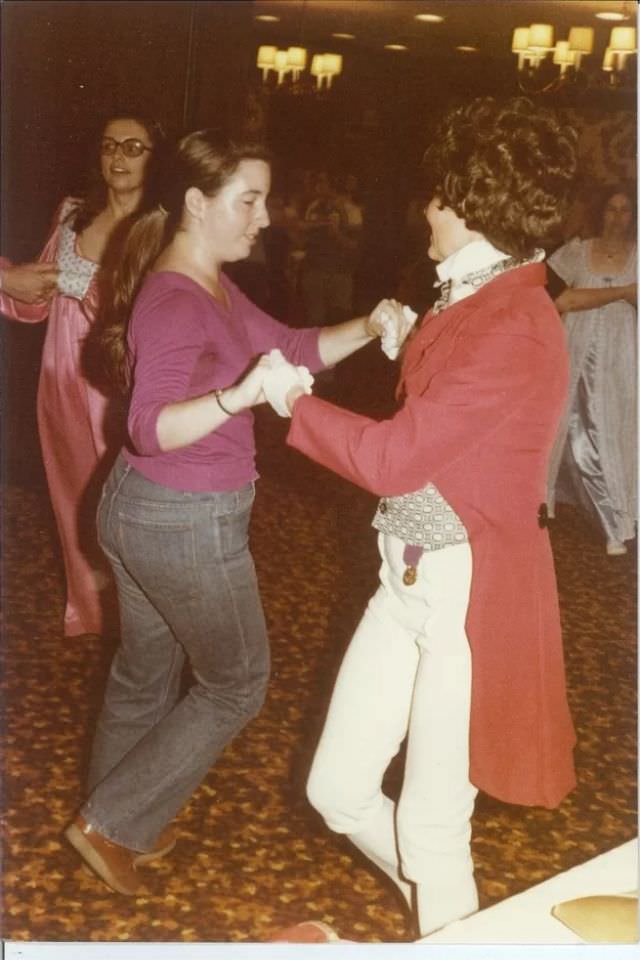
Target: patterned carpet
[[252, 856]]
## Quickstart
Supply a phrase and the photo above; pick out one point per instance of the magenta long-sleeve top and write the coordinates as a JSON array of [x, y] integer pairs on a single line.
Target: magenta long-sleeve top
[[184, 343]]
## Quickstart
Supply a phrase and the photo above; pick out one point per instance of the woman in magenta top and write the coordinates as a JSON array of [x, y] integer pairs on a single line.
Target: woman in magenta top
[[75, 433], [460, 649], [175, 510]]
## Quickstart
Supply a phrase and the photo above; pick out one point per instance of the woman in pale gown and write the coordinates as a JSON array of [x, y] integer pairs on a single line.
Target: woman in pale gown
[[594, 461], [78, 442]]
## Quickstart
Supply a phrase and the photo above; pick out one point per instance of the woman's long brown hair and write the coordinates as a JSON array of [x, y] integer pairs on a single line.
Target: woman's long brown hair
[[202, 159]]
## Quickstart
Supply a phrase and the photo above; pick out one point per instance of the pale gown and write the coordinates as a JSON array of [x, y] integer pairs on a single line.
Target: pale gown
[[73, 421], [594, 460]]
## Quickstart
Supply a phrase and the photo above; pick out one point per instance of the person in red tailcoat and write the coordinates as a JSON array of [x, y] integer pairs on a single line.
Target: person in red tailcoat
[[460, 650]]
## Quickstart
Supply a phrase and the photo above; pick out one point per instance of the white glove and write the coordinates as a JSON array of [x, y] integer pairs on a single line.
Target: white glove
[[278, 380], [393, 338]]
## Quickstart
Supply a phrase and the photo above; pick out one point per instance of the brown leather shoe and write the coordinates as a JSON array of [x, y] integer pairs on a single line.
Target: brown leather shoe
[[113, 863], [163, 845]]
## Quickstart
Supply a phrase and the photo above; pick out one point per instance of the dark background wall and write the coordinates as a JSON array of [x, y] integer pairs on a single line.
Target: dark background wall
[[66, 64]]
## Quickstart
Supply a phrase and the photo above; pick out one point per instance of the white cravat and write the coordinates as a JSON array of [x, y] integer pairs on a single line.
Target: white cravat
[[476, 255]]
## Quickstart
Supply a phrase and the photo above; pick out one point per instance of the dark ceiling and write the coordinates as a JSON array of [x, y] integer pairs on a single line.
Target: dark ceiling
[[485, 24]]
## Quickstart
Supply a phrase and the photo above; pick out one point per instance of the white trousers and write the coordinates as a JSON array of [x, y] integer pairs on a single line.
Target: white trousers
[[407, 672]]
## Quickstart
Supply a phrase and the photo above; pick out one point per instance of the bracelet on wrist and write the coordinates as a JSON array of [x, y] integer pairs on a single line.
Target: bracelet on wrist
[[218, 396]]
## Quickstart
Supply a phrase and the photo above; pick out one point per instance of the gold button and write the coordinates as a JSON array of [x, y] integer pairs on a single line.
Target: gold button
[[409, 576], [383, 507]]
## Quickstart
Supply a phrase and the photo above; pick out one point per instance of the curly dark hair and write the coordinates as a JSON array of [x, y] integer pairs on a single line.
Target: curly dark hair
[[506, 169]]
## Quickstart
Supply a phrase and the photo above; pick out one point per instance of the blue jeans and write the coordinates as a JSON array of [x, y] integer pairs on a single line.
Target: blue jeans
[[187, 588]]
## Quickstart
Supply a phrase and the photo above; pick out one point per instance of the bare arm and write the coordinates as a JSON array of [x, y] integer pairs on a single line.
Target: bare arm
[[579, 298], [187, 421], [336, 343]]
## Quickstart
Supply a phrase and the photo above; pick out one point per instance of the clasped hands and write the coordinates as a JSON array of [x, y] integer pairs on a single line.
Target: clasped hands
[[272, 380], [276, 381], [283, 383], [392, 322]]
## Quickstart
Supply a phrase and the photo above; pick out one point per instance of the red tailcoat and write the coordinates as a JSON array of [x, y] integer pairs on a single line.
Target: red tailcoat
[[484, 383]]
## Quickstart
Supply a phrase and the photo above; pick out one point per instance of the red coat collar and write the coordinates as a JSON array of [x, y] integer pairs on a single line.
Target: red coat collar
[[529, 275], [433, 327]]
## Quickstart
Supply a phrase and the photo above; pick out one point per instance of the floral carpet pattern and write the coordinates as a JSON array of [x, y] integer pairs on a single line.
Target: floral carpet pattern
[[252, 857]]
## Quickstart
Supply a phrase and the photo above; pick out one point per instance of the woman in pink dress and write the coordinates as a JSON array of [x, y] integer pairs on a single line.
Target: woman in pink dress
[[73, 421]]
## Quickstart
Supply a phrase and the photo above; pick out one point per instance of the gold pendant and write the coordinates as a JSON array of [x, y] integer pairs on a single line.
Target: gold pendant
[[409, 576]]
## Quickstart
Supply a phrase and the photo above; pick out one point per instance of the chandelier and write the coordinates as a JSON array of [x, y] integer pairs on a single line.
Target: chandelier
[[291, 62], [533, 44]]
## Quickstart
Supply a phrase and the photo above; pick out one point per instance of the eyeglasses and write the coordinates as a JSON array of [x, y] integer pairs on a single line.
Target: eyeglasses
[[131, 147]]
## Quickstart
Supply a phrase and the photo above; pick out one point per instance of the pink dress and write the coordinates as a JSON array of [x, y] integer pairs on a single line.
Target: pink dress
[[73, 425]]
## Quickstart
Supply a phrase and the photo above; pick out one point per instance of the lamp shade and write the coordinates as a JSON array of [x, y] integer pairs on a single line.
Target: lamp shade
[[520, 41], [317, 65], [540, 36], [266, 56], [581, 39], [562, 54], [623, 40], [297, 57], [333, 63], [281, 60]]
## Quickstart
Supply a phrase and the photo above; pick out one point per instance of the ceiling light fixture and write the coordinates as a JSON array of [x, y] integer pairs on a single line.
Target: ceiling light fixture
[[266, 60], [622, 43], [533, 44], [611, 15], [289, 63], [429, 17], [344, 36], [395, 46], [293, 61], [267, 18], [326, 66]]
